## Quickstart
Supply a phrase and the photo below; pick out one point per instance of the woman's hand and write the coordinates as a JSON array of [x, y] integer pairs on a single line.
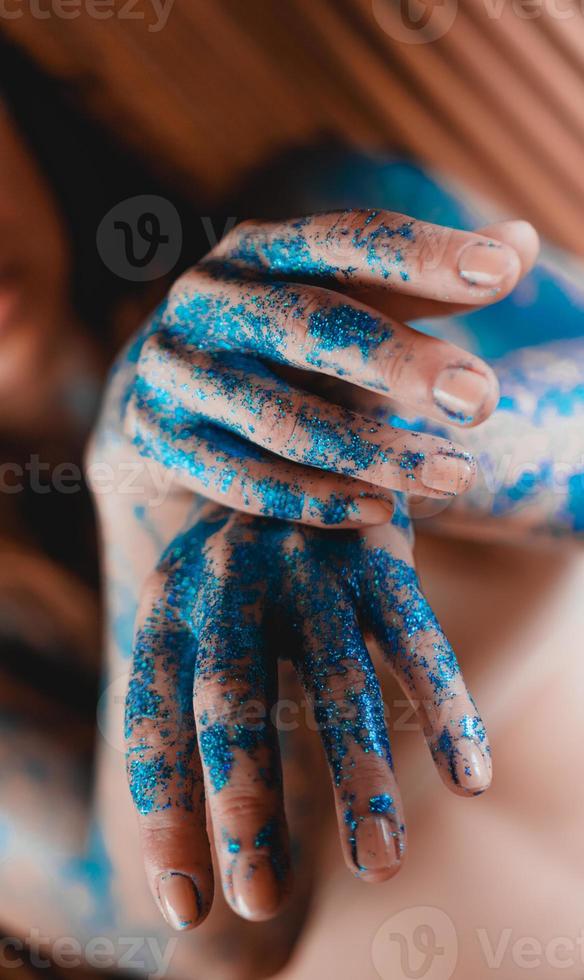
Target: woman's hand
[[230, 596], [370, 579], [219, 394]]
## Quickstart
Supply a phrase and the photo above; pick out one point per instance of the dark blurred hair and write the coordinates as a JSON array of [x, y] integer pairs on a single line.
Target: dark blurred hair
[[89, 172]]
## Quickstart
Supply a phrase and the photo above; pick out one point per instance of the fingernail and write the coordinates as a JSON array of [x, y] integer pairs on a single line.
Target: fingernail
[[473, 768], [372, 510], [447, 472], [179, 899], [376, 847], [461, 394], [485, 264], [256, 893]]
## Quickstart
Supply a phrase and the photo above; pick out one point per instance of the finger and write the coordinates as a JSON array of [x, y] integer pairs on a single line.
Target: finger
[[410, 638], [235, 688], [519, 235], [312, 328], [341, 685], [222, 467], [163, 765], [253, 403], [362, 248]]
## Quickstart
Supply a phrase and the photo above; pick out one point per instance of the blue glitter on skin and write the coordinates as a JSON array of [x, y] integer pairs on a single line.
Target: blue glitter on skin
[[438, 672], [233, 843], [358, 722], [439, 663], [376, 243], [344, 326], [459, 417], [269, 837], [148, 779], [142, 699], [409, 461], [221, 635], [284, 255], [472, 727], [446, 746], [333, 444], [222, 455], [383, 803], [217, 743], [444, 669], [352, 823], [279, 499], [451, 748]]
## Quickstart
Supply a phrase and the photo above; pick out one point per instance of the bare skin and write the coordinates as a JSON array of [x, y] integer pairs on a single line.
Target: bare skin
[[156, 365], [204, 356], [123, 517]]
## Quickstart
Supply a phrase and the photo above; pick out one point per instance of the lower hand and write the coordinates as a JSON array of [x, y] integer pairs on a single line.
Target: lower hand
[[230, 596]]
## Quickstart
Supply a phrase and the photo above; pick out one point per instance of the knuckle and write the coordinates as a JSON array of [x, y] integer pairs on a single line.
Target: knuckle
[[338, 686], [165, 828], [245, 715], [279, 429], [191, 282], [246, 227], [218, 553], [142, 730], [297, 329], [353, 221], [429, 248], [150, 354], [229, 244], [343, 234], [241, 808], [232, 497], [395, 367], [370, 775]]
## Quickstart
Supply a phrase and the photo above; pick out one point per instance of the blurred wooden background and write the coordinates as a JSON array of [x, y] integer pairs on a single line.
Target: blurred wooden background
[[497, 100]]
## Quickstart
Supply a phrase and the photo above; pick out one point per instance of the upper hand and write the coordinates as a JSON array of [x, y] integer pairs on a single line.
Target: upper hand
[[212, 396]]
